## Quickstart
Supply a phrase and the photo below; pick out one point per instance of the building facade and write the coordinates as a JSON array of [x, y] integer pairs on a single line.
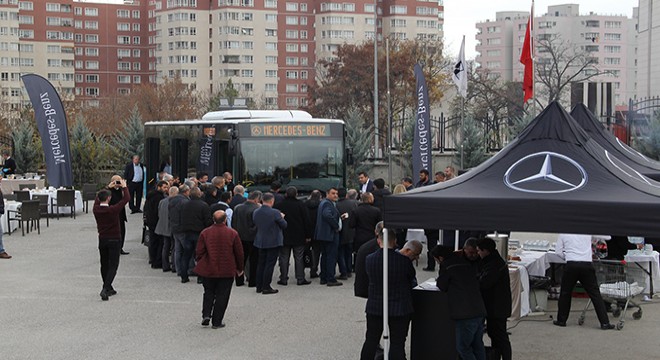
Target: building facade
[[267, 48], [609, 40]]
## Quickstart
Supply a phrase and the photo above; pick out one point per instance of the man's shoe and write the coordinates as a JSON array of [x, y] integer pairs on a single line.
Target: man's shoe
[[184, 280], [200, 280], [269, 291], [124, 252], [607, 326], [259, 291], [428, 269], [218, 326], [104, 295], [559, 323], [4, 255], [335, 283], [342, 277], [206, 321], [313, 275], [304, 282], [111, 292], [280, 282], [323, 282]]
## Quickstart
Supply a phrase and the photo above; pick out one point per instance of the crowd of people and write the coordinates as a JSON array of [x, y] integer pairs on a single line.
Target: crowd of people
[[210, 228]]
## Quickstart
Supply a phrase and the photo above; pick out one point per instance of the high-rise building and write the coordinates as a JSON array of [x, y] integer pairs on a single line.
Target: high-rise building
[[606, 38], [648, 52], [92, 49]]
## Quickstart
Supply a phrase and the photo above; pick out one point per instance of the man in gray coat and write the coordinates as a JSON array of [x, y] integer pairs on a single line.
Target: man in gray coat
[[244, 225], [163, 229], [269, 239]]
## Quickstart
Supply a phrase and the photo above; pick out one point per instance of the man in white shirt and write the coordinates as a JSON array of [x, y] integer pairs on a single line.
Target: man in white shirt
[[576, 250]]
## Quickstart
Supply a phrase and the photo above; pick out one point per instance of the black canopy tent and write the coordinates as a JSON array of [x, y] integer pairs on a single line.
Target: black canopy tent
[[609, 142], [552, 178]]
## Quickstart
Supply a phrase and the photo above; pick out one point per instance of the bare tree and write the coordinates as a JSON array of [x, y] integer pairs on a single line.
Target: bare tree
[[560, 63]]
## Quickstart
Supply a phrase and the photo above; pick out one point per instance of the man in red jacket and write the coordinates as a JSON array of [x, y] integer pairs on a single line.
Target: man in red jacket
[[219, 256], [107, 223]]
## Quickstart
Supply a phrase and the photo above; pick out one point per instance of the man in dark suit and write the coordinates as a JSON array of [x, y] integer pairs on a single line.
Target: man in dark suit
[[151, 220], [361, 285], [10, 164], [380, 191], [401, 275], [298, 232], [195, 216], [363, 219], [242, 222], [366, 185], [134, 173], [269, 239], [496, 292], [328, 226]]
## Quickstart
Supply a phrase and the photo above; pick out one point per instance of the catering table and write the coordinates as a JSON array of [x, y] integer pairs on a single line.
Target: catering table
[[52, 194], [537, 262], [10, 185], [9, 227], [519, 280], [432, 333]]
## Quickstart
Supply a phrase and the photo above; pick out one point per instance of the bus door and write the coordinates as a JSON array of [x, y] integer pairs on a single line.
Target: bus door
[[180, 158]]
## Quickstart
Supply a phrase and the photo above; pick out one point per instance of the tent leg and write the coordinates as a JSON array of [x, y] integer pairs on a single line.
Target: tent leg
[[386, 329], [456, 240]]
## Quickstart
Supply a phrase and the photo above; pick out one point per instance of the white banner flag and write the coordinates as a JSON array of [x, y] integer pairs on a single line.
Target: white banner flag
[[460, 73]]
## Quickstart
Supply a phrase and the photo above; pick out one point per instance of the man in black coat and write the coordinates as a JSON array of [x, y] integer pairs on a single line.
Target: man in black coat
[[9, 166], [195, 217], [346, 204], [151, 220], [466, 307], [238, 198], [496, 292], [361, 285], [380, 191], [134, 173], [296, 235], [242, 222], [363, 219]]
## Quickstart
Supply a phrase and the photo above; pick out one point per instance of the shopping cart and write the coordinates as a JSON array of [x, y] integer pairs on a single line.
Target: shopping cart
[[618, 283]]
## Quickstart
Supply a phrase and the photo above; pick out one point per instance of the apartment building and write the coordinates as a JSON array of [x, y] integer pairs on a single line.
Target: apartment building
[[92, 49], [648, 52], [607, 39]]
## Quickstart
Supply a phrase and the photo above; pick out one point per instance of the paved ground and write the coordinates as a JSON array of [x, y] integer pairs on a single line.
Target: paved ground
[[50, 309]]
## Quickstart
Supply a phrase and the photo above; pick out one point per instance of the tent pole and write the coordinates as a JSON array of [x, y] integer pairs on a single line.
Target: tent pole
[[386, 329], [456, 240]]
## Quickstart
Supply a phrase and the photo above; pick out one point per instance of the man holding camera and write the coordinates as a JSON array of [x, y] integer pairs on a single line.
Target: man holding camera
[[107, 223]]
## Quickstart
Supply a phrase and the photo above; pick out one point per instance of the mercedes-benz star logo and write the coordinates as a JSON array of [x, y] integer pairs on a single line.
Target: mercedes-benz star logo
[[534, 174]]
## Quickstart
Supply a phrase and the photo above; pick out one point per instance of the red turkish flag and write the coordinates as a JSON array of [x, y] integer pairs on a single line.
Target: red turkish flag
[[526, 58]]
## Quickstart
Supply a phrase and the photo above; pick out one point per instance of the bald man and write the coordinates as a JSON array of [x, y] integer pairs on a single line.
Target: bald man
[[219, 256]]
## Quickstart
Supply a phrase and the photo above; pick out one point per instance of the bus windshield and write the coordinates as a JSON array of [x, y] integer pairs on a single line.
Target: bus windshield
[[305, 163]]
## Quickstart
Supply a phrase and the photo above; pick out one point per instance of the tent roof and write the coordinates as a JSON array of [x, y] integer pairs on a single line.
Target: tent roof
[[552, 178], [609, 142]]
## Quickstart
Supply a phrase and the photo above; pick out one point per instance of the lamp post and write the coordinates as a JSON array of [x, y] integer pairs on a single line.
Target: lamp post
[[375, 79]]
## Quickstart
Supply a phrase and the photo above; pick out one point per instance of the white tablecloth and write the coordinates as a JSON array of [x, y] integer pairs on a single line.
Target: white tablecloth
[[416, 234], [9, 205], [9, 185], [519, 279], [52, 194]]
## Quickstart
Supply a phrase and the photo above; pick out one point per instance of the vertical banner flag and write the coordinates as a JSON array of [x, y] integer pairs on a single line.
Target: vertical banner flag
[[421, 151], [460, 75], [527, 58], [51, 122], [206, 161]]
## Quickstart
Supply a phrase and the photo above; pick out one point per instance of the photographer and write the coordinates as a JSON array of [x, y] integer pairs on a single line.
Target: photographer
[[107, 222]]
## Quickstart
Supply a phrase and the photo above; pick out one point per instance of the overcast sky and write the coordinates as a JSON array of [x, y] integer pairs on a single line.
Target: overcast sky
[[462, 15]]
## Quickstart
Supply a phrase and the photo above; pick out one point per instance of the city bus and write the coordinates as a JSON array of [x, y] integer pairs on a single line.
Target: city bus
[[257, 147]]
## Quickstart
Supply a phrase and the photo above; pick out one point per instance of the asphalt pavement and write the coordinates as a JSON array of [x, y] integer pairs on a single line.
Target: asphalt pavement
[[50, 309]]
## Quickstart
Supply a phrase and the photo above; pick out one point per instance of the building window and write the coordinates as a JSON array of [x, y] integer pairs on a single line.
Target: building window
[[92, 38], [271, 46], [271, 73], [91, 65], [291, 88], [291, 6], [292, 61], [137, 79], [271, 4], [92, 91], [25, 5], [50, 7], [247, 73], [291, 74], [91, 12], [122, 53], [292, 20], [94, 25], [124, 79], [92, 78], [92, 52], [398, 9], [271, 87], [292, 47], [123, 27], [292, 101]]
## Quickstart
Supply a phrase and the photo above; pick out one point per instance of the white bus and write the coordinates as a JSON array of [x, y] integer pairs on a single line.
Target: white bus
[[257, 147]]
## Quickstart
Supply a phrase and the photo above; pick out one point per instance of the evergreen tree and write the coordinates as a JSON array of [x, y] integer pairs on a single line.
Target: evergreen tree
[[474, 149], [358, 139], [130, 141], [27, 147], [88, 153]]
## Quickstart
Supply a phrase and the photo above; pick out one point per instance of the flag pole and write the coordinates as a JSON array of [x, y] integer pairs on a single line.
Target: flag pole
[[462, 128], [531, 47]]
